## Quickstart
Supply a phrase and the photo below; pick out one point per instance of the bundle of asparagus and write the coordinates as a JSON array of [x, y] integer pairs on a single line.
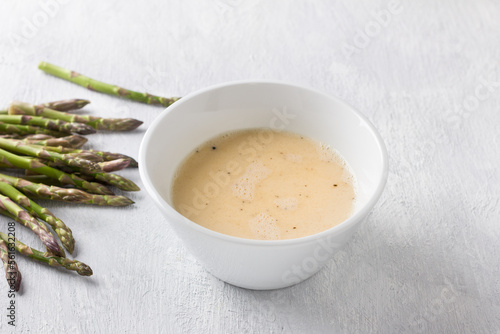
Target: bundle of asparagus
[[46, 141]]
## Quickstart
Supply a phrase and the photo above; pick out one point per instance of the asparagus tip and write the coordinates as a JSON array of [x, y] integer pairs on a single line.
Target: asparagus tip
[[84, 270], [14, 279]]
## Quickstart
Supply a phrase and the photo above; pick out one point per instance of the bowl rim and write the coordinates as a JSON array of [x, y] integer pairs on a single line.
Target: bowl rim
[[346, 224]]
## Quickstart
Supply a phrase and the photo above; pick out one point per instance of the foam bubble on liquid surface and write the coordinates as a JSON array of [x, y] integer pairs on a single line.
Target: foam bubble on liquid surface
[[265, 227], [329, 154], [244, 188], [326, 153], [289, 203]]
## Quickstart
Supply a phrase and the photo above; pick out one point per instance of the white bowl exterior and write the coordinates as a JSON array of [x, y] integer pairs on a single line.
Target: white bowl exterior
[[258, 264]]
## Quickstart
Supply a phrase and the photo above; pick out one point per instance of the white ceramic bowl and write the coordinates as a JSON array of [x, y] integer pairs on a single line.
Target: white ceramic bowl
[[261, 264]]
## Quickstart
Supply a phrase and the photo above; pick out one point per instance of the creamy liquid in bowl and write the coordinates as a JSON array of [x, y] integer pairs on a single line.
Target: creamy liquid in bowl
[[264, 184]]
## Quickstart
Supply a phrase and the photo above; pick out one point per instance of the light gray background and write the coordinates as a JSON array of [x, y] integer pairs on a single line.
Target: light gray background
[[428, 77]]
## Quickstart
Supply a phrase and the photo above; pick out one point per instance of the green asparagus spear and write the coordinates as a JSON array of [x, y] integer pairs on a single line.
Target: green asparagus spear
[[116, 180], [63, 231], [16, 129], [69, 159], [40, 178], [54, 261], [63, 105], [99, 123], [111, 179], [51, 124], [73, 141], [108, 178], [23, 217], [12, 273], [35, 166], [66, 105], [106, 166], [102, 87], [43, 191], [104, 156]]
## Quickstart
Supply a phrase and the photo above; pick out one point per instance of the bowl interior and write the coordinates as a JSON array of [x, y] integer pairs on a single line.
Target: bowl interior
[[202, 115]]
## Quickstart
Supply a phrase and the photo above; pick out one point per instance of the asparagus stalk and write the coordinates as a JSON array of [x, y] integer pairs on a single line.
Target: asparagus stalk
[[66, 105], [89, 155], [40, 178], [43, 191], [51, 124], [73, 141], [63, 105], [12, 273], [65, 178], [69, 159], [102, 87], [63, 231], [24, 218], [104, 156], [109, 156], [21, 130], [99, 123], [54, 261], [105, 166], [112, 179]]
